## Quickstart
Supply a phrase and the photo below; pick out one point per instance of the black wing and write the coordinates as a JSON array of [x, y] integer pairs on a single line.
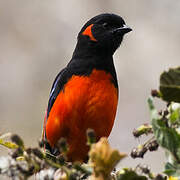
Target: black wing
[[57, 86]]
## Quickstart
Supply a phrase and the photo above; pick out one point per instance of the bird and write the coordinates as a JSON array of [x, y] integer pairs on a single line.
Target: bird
[[85, 93]]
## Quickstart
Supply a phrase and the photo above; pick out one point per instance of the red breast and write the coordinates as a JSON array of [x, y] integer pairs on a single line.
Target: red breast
[[85, 102]]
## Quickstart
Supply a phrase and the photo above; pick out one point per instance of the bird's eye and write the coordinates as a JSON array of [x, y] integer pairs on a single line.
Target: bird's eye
[[105, 25]]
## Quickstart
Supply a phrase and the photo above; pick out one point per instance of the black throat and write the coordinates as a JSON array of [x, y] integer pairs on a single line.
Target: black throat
[[85, 59]]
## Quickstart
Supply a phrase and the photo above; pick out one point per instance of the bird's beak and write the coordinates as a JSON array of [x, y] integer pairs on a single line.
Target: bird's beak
[[122, 30]]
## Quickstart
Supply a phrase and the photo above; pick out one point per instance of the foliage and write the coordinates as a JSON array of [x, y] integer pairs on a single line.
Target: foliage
[[164, 130], [170, 85], [165, 124]]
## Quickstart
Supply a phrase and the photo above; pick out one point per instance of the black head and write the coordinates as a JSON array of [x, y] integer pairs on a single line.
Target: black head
[[103, 33]]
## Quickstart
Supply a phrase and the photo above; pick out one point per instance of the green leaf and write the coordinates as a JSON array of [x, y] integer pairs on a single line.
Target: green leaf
[[7, 144], [170, 85], [175, 117], [129, 174], [172, 170], [166, 137], [174, 110]]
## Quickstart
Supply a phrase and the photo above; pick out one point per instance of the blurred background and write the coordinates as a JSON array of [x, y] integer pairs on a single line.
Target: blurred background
[[37, 39]]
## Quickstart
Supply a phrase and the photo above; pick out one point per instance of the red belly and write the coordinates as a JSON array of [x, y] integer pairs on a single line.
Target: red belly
[[85, 102]]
